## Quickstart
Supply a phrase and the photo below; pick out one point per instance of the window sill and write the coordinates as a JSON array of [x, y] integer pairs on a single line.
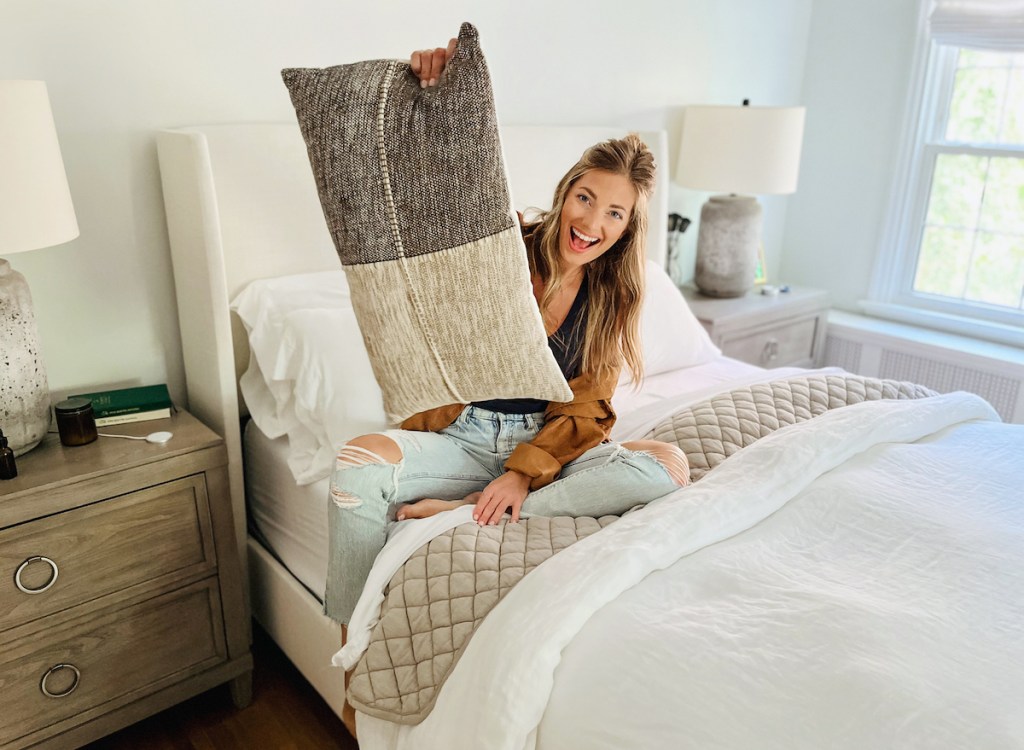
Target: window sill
[[970, 328]]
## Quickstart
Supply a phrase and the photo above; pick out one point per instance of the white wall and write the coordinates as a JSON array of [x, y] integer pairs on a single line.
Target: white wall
[[118, 70], [856, 82]]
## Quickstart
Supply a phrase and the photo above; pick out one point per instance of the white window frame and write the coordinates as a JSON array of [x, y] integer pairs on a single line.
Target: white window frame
[[891, 294]]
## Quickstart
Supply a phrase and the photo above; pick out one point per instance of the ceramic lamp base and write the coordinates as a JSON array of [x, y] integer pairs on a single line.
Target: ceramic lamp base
[[24, 393], [730, 232]]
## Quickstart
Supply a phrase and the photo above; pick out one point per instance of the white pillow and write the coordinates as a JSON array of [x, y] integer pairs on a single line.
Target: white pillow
[[336, 396], [263, 307], [671, 336], [309, 376]]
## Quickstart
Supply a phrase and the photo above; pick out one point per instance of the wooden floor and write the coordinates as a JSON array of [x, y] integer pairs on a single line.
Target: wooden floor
[[285, 714]]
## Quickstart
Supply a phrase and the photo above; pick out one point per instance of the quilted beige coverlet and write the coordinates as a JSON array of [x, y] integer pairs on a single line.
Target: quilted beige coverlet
[[711, 431], [441, 594], [435, 601]]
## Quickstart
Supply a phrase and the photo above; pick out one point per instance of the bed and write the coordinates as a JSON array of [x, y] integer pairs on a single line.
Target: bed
[[849, 580]]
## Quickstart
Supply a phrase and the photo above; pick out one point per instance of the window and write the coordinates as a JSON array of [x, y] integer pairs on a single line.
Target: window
[[954, 250], [971, 246]]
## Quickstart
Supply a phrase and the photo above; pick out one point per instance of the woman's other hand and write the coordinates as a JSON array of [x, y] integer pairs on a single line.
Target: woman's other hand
[[429, 64], [507, 491]]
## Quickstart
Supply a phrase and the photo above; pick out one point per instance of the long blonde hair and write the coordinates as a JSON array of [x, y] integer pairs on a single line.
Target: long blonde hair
[[615, 280]]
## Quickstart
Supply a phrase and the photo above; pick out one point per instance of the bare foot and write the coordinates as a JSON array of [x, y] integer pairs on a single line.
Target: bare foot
[[432, 506]]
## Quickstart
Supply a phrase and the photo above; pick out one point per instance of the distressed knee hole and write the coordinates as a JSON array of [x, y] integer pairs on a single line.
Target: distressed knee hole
[[380, 447], [353, 455], [345, 499], [669, 456], [360, 452], [675, 463]]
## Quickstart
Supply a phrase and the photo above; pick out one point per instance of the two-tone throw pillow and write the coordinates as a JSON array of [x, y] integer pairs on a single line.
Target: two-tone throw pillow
[[414, 191]]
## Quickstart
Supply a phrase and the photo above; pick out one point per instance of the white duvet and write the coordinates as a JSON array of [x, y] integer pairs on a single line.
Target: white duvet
[[855, 581]]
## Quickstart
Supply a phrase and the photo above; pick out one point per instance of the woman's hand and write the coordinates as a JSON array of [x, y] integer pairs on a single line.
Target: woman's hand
[[429, 64], [507, 491]]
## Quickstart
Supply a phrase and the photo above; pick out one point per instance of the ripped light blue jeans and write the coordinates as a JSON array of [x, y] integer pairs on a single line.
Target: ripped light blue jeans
[[461, 459]]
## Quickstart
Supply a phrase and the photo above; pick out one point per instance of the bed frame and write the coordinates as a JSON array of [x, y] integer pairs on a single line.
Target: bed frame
[[241, 205]]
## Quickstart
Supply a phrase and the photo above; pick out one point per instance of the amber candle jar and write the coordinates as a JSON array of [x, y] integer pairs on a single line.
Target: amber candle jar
[[75, 421]]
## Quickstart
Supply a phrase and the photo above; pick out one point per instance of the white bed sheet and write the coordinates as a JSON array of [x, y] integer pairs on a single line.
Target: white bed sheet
[[852, 581], [292, 519]]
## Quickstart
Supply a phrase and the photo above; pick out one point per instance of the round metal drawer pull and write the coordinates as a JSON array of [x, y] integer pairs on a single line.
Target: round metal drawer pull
[[56, 668], [29, 561]]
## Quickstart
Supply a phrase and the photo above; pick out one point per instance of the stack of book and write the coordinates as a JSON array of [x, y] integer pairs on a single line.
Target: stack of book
[[130, 404]]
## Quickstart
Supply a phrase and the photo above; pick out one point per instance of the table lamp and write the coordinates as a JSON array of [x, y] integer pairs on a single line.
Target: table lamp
[[741, 151], [35, 212]]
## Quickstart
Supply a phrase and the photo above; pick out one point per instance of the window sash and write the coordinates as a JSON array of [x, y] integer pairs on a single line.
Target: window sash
[[895, 269], [919, 197]]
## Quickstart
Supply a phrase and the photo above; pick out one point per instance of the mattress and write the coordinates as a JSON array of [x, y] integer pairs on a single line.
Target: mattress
[[291, 520]]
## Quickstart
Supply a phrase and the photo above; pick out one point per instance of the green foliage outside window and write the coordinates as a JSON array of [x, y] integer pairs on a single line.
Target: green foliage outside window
[[972, 245]]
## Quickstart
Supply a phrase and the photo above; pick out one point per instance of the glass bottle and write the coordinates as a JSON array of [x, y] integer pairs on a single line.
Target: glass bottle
[[8, 469]]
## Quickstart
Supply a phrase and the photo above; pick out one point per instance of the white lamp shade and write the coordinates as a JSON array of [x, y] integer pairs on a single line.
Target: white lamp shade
[[749, 150], [35, 203]]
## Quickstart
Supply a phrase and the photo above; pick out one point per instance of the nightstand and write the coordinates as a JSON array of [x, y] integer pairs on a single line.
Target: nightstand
[[769, 331], [120, 586]]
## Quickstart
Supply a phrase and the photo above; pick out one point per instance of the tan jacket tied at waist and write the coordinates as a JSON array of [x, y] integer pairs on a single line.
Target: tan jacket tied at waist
[[570, 429]]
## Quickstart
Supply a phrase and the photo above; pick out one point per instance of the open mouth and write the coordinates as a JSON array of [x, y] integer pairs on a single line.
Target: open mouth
[[580, 242]]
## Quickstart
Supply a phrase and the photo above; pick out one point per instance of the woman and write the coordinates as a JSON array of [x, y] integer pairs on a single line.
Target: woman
[[524, 456]]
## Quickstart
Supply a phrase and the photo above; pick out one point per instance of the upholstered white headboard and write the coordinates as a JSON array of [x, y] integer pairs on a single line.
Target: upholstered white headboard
[[241, 205], [252, 185]]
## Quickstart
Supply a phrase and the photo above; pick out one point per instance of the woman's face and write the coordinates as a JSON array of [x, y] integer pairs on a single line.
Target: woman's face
[[595, 214]]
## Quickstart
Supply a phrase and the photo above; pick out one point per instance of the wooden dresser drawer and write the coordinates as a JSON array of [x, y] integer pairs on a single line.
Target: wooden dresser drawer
[[782, 344], [120, 585], [60, 561], [101, 661]]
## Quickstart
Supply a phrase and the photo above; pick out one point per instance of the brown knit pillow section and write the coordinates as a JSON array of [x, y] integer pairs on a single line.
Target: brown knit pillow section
[[414, 191]]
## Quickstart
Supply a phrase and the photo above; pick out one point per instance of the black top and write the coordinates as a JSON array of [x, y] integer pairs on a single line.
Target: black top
[[566, 344]]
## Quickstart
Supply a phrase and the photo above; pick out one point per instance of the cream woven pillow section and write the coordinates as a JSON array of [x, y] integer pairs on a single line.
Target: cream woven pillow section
[[413, 187]]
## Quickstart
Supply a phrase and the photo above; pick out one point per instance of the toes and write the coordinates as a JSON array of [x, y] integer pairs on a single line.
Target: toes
[[412, 510], [419, 509]]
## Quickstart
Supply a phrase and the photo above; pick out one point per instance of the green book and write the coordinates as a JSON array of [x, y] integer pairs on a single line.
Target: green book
[[127, 401]]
